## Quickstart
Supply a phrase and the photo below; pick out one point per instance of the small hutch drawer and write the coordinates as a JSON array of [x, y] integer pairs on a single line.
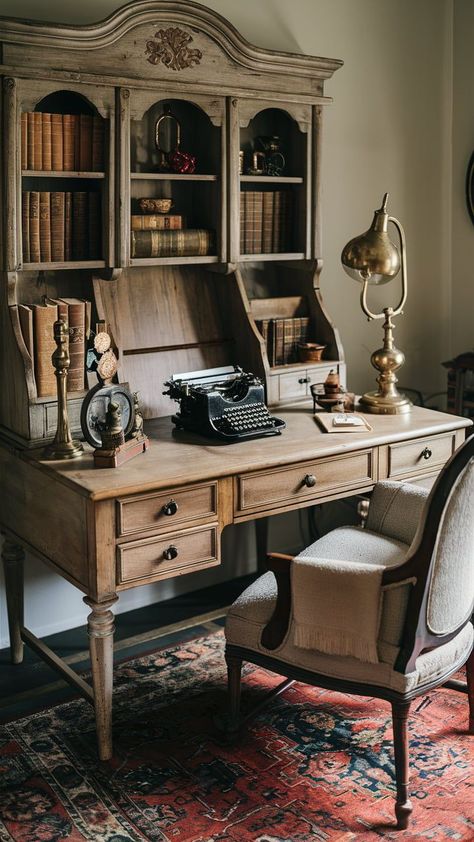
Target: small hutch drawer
[[304, 482], [164, 510], [421, 455], [173, 555]]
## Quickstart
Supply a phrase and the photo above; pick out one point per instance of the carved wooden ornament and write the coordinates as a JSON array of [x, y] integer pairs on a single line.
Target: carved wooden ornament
[[171, 49]]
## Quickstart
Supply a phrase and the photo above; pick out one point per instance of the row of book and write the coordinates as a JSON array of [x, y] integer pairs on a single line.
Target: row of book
[[70, 142], [60, 226], [282, 337], [265, 221], [195, 242], [37, 328]]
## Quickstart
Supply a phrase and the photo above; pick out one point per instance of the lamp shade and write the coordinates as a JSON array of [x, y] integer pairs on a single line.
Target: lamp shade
[[372, 256]]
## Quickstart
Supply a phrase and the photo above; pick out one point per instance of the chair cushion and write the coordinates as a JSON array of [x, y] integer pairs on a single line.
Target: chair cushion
[[254, 607], [395, 509]]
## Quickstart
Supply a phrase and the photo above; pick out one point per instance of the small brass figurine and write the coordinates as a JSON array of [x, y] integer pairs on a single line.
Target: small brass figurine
[[63, 446], [112, 436], [137, 429]]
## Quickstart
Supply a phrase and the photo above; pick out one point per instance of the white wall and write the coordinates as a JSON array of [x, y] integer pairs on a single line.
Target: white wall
[[390, 128]]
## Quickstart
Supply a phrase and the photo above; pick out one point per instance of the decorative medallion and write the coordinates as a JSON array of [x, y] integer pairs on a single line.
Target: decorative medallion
[[171, 49]]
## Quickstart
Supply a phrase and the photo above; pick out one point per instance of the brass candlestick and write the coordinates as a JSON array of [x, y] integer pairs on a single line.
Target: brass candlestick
[[63, 446]]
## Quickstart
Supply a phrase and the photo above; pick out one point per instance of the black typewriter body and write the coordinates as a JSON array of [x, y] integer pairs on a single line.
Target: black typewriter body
[[224, 403]]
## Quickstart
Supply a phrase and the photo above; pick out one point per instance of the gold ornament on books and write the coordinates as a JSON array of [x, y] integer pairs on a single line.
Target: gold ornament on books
[[171, 49]]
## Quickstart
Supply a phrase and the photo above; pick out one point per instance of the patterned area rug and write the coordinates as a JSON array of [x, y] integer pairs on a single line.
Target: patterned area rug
[[314, 766]]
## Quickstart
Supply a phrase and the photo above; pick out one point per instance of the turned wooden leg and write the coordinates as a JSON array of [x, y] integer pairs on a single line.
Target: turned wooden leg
[[403, 805], [100, 626], [470, 689], [13, 556], [234, 671]]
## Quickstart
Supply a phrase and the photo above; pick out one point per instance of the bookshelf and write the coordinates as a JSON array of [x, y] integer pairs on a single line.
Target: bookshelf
[[182, 289]]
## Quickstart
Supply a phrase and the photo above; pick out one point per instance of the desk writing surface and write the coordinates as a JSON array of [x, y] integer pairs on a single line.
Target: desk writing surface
[[178, 457]]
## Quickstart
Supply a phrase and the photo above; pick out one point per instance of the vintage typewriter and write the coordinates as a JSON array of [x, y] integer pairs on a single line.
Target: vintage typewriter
[[222, 402]]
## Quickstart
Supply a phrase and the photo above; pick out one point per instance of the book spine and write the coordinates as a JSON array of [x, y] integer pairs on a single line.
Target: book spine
[[57, 159], [68, 225], [98, 138], [45, 227], [249, 216], [77, 346], [46, 132], [242, 222], [79, 226], [24, 140], [271, 342], [257, 223], [34, 227], [285, 221], [25, 226], [156, 222], [191, 242], [267, 222], [278, 341], [288, 340], [94, 226], [85, 142], [38, 147], [30, 140], [276, 222], [57, 227], [69, 130], [43, 321]]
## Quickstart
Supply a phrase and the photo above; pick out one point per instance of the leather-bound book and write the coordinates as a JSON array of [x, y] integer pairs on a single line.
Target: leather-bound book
[[68, 225], [267, 222], [98, 144], [85, 142], [94, 226], [44, 317], [242, 222], [30, 140], [278, 340], [57, 142], [249, 217], [276, 228], [79, 226], [286, 240], [57, 227], [34, 227], [289, 348], [46, 143], [69, 133], [190, 242], [257, 222], [38, 146], [76, 309], [156, 222], [25, 226], [24, 140], [45, 227]]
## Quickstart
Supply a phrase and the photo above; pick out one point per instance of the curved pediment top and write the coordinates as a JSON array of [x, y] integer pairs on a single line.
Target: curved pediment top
[[153, 12]]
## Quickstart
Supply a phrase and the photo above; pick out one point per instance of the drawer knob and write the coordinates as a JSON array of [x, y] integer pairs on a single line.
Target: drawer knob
[[427, 453], [309, 480], [170, 553], [304, 380], [170, 508]]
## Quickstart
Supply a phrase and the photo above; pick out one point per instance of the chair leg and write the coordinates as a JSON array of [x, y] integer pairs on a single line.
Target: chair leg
[[403, 806], [234, 671], [470, 689]]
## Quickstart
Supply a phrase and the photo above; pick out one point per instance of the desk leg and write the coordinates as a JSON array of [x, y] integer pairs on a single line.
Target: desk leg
[[100, 626], [13, 556]]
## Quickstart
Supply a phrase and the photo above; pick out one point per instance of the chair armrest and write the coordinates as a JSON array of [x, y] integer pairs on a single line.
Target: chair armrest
[[395, 509], [275, 631]]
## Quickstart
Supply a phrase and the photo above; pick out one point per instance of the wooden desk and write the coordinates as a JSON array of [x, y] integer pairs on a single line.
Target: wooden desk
[[108, 530]]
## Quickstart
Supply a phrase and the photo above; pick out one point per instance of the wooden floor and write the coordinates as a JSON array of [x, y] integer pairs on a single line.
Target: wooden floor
[[33, 685]]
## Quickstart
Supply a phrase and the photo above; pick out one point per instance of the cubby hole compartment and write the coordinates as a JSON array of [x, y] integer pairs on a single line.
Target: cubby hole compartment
[[274, 122], [272, 221]]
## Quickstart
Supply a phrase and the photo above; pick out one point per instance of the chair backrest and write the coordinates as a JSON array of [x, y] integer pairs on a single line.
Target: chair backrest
[[441, 559]]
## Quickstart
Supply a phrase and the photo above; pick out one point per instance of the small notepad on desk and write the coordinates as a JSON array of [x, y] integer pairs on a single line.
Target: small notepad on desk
[[342, 422]]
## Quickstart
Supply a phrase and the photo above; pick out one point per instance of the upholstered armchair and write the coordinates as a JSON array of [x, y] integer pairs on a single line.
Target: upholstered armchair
[[405, 582]]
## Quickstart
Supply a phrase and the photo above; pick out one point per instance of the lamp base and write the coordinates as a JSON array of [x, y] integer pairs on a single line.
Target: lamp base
[[378, 404]]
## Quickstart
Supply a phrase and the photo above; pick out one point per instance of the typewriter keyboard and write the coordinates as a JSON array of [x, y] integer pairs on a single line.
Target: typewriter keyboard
[[246, 420]]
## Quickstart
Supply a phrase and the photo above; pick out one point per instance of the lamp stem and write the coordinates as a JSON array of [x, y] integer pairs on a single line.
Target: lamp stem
[[387, 400]]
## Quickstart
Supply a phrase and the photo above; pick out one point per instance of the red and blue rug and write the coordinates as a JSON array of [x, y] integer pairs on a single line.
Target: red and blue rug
[[315, 765]]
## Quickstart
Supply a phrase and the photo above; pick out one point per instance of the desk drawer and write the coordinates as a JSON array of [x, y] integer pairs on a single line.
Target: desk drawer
[[147, 511], [192, 549], [421, 455], [286, 486]]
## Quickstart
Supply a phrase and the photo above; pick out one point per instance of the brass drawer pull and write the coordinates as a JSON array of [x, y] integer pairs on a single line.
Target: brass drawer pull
[[170, 553], [309, 480], [427, 453], [304, 380], [170, 508]]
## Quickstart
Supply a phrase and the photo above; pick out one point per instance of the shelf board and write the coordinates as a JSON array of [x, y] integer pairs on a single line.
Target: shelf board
[[61, 174], [293, 255], [173, 261], [69, 264], [171, 176], [272, 179]]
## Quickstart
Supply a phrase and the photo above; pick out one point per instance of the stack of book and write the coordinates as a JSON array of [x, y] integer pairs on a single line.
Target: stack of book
[[282, 337], [164, 235], [58, 227], [37, 328], [55, 142], [265, 221]]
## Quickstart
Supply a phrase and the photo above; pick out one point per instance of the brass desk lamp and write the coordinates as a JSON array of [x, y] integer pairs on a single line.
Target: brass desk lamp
[[372, 258]]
